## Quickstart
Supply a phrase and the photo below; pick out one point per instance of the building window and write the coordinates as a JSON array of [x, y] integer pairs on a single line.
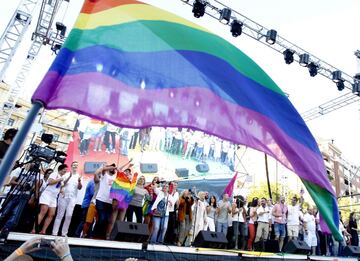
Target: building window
[[347, 193], [11, 122], [346, 182], [56, 137]]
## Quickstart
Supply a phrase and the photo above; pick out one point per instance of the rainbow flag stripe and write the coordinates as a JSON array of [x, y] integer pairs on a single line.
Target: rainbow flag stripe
[[136, 65], [123, 189]]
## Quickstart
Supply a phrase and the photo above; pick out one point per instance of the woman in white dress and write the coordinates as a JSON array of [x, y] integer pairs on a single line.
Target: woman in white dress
[[200, 219]]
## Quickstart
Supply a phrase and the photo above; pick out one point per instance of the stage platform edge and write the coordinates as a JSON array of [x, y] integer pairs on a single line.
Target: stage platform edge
[[92, 249]]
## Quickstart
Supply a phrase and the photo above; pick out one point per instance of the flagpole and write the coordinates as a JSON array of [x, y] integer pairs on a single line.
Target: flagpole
[[267, 175], [11, 154]]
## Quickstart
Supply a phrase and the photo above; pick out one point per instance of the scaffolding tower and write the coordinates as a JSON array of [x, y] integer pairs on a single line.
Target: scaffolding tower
[[43, 35], [14, 33]]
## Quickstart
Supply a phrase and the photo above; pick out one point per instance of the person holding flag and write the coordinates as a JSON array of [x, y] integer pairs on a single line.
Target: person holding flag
[[121, 192]]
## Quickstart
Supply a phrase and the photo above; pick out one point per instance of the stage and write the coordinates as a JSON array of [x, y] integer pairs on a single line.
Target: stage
[[90, 249]]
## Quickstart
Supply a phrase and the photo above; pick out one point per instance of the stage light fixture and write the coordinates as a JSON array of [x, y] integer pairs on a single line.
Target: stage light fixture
[[236, 28], [271, 36], [340, 85], [313, 69], [61, 28], [199, 8], [356, 88], [56, 48], [288, 56], [225, 15], [336, 76], [304, 59]]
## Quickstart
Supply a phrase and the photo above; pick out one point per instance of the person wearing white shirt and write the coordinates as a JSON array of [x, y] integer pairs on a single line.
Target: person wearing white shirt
[[263, 220], [48, 198], [67, 199], [239, 225], [171, 230], [293, 219], [160, 208], [105, 176], [200, 220], [310, 230]]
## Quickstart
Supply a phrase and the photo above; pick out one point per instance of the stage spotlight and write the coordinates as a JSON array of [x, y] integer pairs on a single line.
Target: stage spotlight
[[236, 28], [356, 88], [61, 28], [340, 85], [271, 36], [225, 15], [199, 8], [304, 59], [56, 48], [313, 69], [288, 56], [336, 76]]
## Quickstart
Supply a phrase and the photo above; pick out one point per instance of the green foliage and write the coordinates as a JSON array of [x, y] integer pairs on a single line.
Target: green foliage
[[262, 191], [344, 207]]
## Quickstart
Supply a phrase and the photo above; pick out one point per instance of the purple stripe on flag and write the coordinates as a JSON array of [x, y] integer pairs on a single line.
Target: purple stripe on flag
[[103, 97]]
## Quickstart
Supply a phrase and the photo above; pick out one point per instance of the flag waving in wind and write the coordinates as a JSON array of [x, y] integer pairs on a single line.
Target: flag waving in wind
[[230, 187], [135, 65]]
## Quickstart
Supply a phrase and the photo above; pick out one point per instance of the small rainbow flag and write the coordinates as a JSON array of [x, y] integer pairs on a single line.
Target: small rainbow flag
[[123, 189]]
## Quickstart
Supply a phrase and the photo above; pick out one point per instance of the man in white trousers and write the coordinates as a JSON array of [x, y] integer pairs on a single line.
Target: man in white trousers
[[67, 199]]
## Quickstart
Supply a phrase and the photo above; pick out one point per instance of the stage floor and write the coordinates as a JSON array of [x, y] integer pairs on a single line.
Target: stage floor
[[90, 249]]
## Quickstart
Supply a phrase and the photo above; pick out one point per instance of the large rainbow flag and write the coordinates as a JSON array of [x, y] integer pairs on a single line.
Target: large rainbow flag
[[136, 65]]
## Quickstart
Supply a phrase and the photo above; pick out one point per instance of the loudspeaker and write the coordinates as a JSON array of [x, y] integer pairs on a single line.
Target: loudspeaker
[[297, 247], [203, 167], [272, 246], [91, 167], [130, 232], [269, 245], [182, 173], [351, 251], [210, 239], [148, 167]]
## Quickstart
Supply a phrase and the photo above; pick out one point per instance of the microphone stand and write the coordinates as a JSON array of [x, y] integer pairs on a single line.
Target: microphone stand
[[237, 231]]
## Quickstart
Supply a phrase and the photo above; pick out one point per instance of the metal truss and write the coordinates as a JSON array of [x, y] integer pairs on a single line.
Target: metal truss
[[329, 106], [43, 35], [258, 32], [14, 32]]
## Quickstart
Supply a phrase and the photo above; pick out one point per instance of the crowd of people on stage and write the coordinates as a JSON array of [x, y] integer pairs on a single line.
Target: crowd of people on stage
[[173, 216], [183, 142]]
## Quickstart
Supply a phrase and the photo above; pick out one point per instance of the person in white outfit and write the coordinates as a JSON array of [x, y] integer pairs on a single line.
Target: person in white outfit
[[200, 219], [263, 221], [211, 214], [293, 218], [48, 198], [67, 199], [310, 230]]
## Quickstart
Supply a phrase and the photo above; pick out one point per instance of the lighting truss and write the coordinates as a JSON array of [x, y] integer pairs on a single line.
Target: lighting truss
[[259, 33]]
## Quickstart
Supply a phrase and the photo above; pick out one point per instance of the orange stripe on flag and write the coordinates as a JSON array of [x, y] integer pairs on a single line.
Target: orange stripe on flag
[[95, 6]]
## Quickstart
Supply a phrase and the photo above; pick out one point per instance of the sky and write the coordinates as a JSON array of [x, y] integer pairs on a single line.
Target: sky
[[325, 28]]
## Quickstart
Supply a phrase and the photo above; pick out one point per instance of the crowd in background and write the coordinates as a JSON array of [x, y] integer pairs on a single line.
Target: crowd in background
[[172, 216], [185, 143]]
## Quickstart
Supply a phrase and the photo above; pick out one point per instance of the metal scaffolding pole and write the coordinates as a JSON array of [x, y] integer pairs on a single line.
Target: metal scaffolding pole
[[14, 33], [43, 35]]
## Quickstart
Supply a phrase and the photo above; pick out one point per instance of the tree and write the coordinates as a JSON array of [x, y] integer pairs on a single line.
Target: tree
[[344, 207], [262, 191]]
